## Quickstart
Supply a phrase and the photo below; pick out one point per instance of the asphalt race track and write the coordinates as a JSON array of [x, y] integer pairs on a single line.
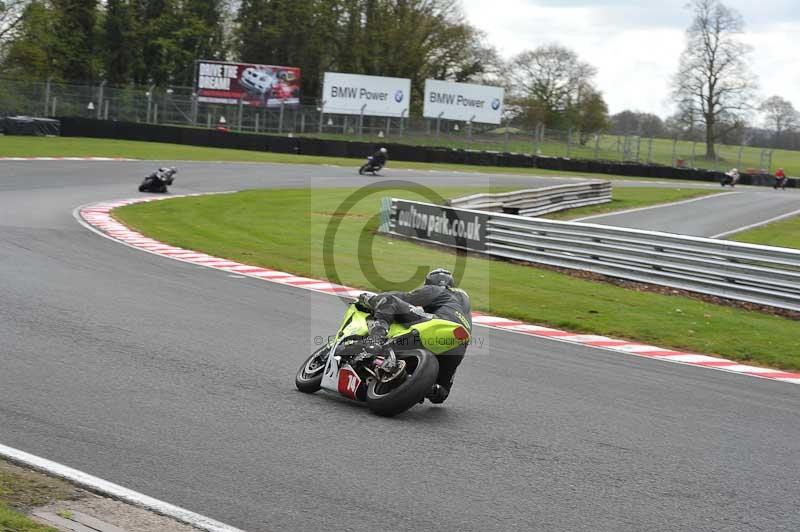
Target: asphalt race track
[[177, 381], [710, 216]]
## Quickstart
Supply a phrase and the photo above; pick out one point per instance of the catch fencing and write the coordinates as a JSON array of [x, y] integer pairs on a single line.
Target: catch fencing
[[746, 272], [180, 106], [538, 201]]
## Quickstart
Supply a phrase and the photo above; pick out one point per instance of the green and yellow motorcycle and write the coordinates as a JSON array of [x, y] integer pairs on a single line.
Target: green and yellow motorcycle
[[393, 379]]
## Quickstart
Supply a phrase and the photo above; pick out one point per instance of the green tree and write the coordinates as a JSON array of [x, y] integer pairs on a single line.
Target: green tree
[[590, 113], [30, 55], [75, 39], [295, 33], [118, 42]]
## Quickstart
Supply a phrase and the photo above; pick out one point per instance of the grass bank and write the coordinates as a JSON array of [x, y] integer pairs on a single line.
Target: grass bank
[[22, 490], [286, 229], [785, 233]]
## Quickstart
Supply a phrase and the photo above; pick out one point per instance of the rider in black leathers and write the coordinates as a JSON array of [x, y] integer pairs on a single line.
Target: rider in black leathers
[[379, 158], [439, 299]]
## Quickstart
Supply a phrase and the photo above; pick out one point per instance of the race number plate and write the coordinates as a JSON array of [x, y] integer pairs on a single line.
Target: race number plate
[[349, 381]]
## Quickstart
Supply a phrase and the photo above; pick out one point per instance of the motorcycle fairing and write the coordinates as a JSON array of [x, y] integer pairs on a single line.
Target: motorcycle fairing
[[436, 335]]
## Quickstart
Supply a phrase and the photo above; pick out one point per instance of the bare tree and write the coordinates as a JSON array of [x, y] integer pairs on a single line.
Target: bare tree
[[10, 17], [780, 114], [550, 74], [713, 81], [548, 79]]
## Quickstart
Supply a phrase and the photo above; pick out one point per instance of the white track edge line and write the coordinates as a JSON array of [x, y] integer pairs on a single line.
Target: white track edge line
[[659, 206], [758, 224], [115, 491]]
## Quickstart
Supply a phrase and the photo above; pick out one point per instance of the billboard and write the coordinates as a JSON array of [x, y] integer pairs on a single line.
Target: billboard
[[453, 227], [256, 85], [348, 94], [463, 101]]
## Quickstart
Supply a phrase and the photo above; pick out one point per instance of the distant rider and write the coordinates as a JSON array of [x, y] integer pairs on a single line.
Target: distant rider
[[780, 179], [438, 298], [731, 178], [379, 158], [165, 174]]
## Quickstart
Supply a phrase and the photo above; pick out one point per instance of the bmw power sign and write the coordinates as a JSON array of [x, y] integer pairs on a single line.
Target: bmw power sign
[[463, 101], [353, 94]]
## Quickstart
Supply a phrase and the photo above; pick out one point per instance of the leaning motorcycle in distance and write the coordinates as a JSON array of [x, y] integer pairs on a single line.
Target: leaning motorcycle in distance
[[370, 167], [159, 180], [393, 379]]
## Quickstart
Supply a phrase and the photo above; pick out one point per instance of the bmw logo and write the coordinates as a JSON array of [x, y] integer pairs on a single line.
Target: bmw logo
[[496, 104], [398, 96]]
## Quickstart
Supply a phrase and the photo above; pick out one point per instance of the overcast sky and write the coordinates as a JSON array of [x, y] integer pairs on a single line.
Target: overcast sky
[[635, 45]]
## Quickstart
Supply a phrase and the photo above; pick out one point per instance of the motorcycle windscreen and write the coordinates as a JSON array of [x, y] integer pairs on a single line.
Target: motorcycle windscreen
[[354, 323]]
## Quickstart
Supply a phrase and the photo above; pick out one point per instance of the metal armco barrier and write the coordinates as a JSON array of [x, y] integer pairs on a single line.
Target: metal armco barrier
[[746, 272], [538, 201]]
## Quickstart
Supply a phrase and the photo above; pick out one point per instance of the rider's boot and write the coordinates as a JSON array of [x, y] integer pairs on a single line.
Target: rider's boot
[[378, 329], [438, 394]]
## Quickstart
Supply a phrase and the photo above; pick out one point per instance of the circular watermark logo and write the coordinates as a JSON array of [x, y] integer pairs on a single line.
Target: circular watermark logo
[[368, 232], [496, 104], [398, 96]]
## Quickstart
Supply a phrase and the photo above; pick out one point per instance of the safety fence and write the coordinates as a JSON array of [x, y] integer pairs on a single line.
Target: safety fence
[[176, 105], [538, 201], [746, 272]]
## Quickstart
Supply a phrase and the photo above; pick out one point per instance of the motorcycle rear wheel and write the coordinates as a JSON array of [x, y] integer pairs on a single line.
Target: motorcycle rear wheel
[[390, 399], [309, 376]]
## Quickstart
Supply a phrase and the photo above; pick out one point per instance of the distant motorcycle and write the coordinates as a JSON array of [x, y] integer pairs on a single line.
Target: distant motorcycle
[[730, 178], [159, 180], [370, 166]]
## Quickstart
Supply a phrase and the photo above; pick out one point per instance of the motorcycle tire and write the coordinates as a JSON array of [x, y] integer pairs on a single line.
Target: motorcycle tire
[[309, 376], [363, 169], [389, 400], [142, 188]]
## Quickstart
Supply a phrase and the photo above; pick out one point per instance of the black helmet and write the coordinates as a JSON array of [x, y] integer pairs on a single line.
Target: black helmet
[[440, 277]]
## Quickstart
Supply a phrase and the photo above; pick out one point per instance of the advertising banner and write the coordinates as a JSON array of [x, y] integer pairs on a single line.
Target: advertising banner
[[256, 85], [349, 94], [463, 101], [454, 227]]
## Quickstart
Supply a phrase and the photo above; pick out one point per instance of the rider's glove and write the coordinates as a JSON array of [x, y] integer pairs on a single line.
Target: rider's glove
[[363, 302], [438, 394], [377, 336]]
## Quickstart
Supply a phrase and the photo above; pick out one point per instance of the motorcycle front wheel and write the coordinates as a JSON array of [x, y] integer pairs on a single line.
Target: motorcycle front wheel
[[363, 169], [309, 376], [391, 398]]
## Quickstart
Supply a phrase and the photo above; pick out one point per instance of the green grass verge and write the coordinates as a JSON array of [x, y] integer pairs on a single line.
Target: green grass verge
[[285, 229], [13, 521], [21, 490], [785, 233], [14, 146]]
